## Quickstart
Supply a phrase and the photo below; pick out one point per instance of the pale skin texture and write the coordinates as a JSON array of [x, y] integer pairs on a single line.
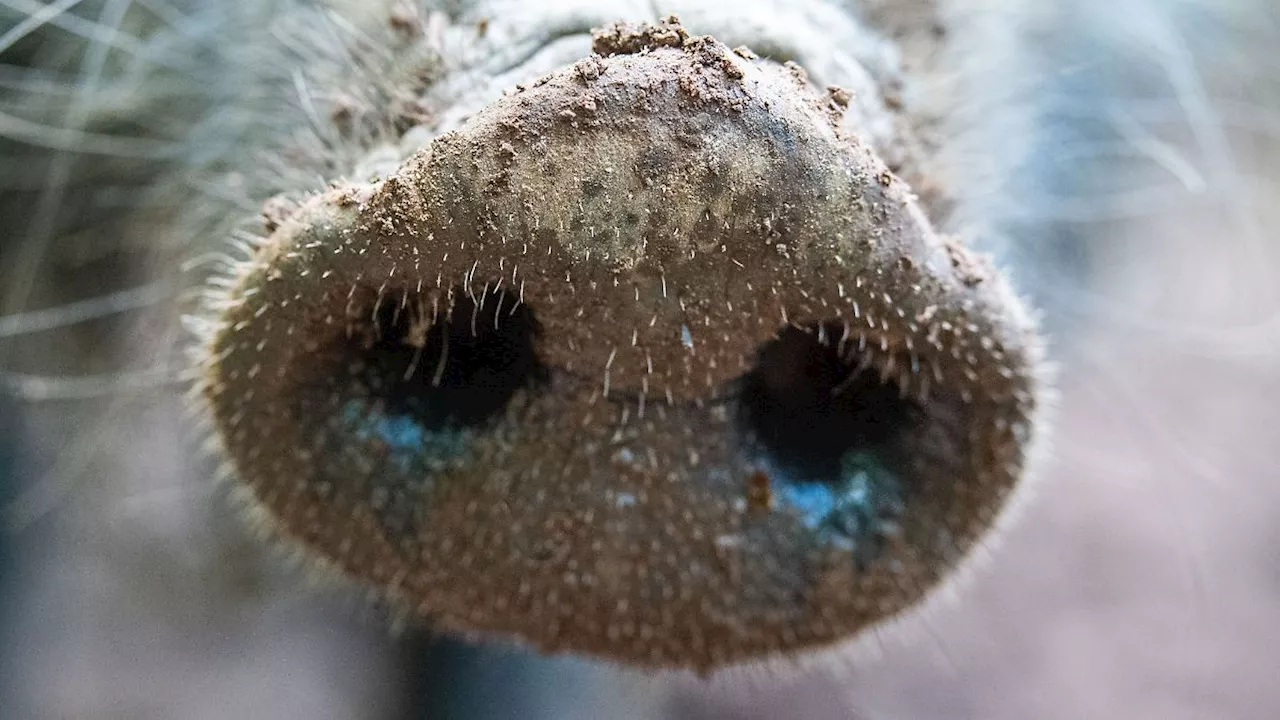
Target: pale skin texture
[[1065, 561]]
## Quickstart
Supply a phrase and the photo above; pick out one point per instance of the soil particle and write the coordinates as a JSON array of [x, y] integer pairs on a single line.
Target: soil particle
[[973, 268], [589, 69], [624, 38], [840, 96]]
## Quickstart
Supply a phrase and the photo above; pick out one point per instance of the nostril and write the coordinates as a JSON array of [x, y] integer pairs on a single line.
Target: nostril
[[452, 366], [808, 402], [404, 392], [826, 426]]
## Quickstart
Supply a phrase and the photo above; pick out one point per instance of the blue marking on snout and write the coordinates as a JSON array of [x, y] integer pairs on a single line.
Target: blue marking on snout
[[410, 446], [852, 511]]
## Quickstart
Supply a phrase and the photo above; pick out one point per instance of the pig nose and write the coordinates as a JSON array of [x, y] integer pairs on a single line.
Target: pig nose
[[649, 361]]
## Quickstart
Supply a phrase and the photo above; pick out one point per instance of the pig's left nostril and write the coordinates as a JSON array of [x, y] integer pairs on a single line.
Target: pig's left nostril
[[807, 405], [825, 429]]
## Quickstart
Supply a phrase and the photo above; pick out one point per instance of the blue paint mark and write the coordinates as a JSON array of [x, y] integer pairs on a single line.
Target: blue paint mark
[[686, 337], [854, 511], [410, 446], [812, 502]]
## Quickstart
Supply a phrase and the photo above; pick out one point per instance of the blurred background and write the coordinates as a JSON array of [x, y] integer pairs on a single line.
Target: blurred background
[[1142, 580]]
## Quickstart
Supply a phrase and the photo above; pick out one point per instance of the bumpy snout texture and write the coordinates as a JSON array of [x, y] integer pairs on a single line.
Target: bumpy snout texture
[[647, 361]]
